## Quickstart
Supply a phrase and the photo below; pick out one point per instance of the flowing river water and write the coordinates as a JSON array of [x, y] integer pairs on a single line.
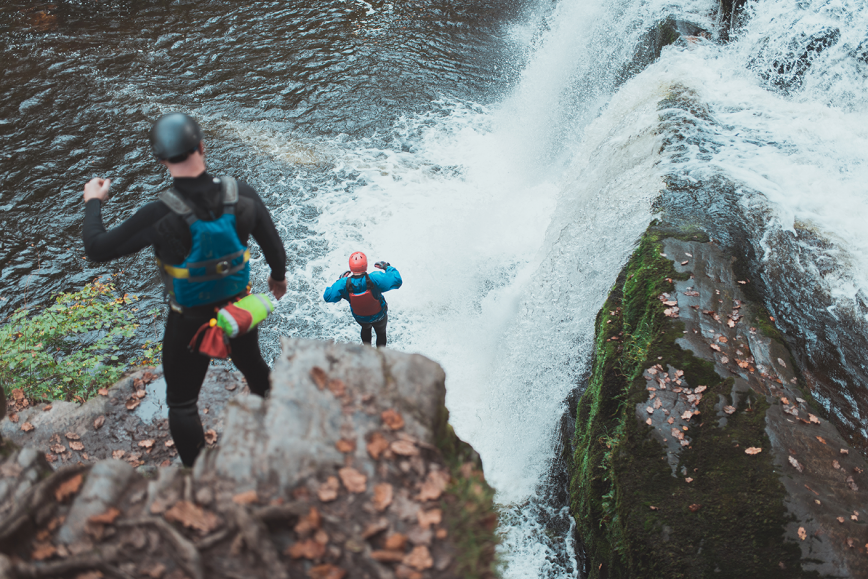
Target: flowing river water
[[505, 156]]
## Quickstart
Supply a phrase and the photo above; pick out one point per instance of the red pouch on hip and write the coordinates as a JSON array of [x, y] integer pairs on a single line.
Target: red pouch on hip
[[210, 340]]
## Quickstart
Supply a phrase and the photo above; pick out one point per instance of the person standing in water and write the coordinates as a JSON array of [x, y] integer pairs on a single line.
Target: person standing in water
[[199, 229], [365, 294]]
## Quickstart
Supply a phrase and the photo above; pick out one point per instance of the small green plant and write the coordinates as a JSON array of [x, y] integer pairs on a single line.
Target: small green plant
[[69, 350]]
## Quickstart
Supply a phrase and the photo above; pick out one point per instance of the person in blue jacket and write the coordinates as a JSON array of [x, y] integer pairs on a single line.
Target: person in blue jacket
[[365, 294]]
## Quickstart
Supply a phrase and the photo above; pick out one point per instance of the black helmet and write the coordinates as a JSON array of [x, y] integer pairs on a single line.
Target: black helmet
[[174, 136]]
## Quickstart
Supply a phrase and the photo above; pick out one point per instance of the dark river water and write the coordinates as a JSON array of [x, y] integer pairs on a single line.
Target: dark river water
[[81, 82]]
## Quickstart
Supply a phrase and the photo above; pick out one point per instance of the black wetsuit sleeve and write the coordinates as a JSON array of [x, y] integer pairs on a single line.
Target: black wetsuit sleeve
[[266, 234], [132, 235]]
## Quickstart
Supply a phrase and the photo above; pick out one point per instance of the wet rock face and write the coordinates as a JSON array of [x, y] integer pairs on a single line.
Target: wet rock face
[[698, 446]]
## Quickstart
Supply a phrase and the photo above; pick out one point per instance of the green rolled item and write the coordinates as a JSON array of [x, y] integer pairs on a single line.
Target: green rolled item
[[242, 316]]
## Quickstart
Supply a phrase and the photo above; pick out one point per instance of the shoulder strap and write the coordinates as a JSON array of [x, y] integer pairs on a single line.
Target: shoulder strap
[[230, 193], [174, 201]]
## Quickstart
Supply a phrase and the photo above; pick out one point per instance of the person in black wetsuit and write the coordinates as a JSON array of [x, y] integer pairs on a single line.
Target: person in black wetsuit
[[176, 140]]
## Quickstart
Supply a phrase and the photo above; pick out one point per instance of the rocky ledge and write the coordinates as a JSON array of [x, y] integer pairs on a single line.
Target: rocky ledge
[[699, 451], [349, 469]]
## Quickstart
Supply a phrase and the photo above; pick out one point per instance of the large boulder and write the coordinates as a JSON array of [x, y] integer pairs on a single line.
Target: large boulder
[[348, 469], [699, 451]]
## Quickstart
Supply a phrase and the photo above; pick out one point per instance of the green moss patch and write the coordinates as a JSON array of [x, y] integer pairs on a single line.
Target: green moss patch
[[634, 516]]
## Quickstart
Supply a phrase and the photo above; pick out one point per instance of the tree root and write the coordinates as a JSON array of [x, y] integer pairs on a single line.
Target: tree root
[[97, 560], [257, 539], [38, 505], [191, 560]]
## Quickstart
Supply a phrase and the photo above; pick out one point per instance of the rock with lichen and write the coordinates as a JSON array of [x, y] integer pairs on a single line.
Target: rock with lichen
[[348, 469], [699, 451]]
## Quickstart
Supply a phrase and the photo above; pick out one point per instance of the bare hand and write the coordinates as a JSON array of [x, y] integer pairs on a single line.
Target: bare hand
[[97, 188], [278, 288]]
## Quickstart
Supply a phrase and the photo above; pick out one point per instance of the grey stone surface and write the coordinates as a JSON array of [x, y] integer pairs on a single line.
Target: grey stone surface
[[292, 434], [104, 485]]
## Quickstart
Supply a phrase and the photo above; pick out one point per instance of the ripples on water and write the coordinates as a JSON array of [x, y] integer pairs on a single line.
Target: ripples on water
[[82, 81]]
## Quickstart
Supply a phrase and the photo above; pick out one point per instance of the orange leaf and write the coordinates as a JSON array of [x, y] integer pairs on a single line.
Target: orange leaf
[[694, 508], [308, 549], [396, 542], [346, 445], [192, 516], [98, 422], [802, 533], [132, 403], [102, 391], [328, 491], [392, 419], [377, 445], [753, 450], [246, 498], [147, 443], [428, 518], [382, 496], [355, 481], [43, 551], [386, 556], [210, 437], [434, 485], [319, 377], [326, 571], [106, 518], [118, 454], [27, 427], [309, 522], [404, 448], [337, 387], [75, 445], [68, 488], [419, 558]]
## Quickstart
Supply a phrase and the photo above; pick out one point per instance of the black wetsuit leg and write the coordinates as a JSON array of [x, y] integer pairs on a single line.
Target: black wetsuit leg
[[185, 371], [380, 327]]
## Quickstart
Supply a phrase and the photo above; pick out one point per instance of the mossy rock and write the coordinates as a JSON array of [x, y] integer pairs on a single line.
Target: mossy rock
[[637, 514]]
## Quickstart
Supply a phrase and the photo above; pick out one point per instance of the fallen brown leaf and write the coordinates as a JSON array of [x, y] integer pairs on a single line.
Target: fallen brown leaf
[[845, 451], [688, 480], [140, 394], [813, 419], [654, 508], [75, 445], [375, 528], [132, 403], [796, 464], [57, 448], [118, 454], [404, 448], [441, 533], [106, 518], [392, 419], [729, 409], [428, 518], [309, 522], [353, 480], [382, 496], [154, 571], [246, 498], [210, 437], [307, 549], [147, 443], [396, 542], [326, 571], [328, 491], [385, 556], [802, 533], [337, 387], [753, 450], [694, 508], [192, 516], [700, 389], [169, 443], [98, 422], [821, 439], [13, 417], [377, 445], [102, 391], [714, 347], [319, 377], [434, 485], [841, 520], [43, 551], [346, 445], [27, 427], [419, 558], [68, 488]]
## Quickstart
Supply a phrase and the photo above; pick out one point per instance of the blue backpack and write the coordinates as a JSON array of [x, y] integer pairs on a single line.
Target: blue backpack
[[218, 265]]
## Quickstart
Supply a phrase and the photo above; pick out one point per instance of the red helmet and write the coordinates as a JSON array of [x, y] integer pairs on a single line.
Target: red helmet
[[358, 262]]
